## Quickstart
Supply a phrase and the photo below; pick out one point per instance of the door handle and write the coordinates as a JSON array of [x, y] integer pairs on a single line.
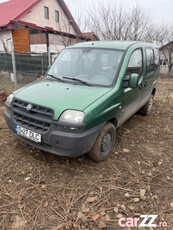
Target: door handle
[[145, 84], [141, 86]]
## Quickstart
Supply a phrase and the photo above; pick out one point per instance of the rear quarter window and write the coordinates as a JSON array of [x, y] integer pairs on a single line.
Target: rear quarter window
[[150, 60], [156, 59]]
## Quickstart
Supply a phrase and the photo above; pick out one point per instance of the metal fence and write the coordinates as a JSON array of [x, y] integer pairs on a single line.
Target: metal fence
[[25, 65]]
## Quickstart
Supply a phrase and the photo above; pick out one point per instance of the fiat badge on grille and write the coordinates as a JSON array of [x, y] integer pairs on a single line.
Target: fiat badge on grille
[[29, 107]]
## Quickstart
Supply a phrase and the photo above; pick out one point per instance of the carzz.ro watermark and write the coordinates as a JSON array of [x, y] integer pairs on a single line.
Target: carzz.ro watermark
[[142, 221]]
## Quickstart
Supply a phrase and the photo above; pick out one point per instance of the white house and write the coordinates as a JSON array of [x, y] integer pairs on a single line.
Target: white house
[[166, 59]]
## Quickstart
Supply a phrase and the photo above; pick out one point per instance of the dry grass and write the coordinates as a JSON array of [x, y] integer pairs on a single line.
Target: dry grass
[[42, 191], [6, 85]]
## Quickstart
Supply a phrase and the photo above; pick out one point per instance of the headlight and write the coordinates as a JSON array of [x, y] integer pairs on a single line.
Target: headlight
[[73, 116], [9, 99]]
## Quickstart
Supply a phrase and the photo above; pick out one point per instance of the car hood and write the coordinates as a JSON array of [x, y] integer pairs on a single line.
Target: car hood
[[60, 96]]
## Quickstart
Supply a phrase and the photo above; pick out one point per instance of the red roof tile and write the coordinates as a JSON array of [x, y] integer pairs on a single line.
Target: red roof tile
[[88, 35]]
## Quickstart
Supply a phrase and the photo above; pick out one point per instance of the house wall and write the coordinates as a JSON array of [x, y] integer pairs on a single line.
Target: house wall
[[38, 48], [42, 48], [4, 36], [37, 38], [63, 40], [36, 16], [57, 42]]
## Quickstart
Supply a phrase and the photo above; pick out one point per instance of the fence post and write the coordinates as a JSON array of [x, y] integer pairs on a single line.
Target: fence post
[[49, 58], [42, 63], [14, 65], [48, 48]]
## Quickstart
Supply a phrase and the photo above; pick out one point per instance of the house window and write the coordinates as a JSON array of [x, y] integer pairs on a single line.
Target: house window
[[56, 16], [162, 61], [46, 12]]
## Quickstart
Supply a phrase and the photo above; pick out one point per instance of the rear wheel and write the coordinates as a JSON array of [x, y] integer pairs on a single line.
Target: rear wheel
[[104, 143], [147, 108]]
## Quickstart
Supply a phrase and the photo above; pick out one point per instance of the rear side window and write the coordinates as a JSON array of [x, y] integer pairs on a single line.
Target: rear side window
[[150, 60]]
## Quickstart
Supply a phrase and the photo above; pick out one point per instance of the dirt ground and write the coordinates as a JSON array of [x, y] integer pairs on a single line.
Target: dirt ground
[[39, 190]]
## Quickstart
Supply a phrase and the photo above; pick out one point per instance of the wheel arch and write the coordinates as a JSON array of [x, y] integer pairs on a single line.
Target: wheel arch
[[153, 92], [114, 121]]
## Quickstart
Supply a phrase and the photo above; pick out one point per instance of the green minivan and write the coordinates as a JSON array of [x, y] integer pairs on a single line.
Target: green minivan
[[89, 91]]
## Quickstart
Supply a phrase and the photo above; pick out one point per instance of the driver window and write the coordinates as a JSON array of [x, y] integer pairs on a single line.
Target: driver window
[[135, 63], [134, 66]]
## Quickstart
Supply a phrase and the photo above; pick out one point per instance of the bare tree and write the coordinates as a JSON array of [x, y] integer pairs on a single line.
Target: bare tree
[[3, 43], [141, 25], [110, 22], [164, 38]]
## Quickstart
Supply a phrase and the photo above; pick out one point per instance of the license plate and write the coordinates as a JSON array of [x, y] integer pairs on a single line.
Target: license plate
[[28, 134]]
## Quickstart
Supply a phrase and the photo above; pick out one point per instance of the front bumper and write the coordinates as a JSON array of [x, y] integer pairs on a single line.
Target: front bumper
[[59, 142]]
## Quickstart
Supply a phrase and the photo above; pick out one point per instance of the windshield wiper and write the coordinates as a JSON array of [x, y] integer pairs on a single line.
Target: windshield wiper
[[76, 79], [57, 78]]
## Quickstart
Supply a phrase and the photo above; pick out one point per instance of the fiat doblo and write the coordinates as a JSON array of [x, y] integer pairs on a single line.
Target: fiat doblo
[[89, 91]]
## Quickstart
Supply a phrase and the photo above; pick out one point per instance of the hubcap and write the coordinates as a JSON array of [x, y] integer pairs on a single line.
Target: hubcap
[[106, 142]]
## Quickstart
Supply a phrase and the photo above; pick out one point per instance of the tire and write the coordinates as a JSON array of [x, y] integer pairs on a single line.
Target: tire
[[104, 143], [147, 108]]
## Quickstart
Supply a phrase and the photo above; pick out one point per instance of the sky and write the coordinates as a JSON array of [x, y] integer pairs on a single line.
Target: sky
[[159, 10]]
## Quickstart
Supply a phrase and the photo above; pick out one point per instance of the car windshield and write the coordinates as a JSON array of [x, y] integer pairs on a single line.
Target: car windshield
[[89, 66]]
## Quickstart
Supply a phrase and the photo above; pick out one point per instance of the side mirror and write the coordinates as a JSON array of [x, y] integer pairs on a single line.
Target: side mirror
[[134, 77]]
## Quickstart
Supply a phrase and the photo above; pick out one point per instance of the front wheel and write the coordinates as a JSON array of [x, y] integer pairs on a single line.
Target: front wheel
[[104, 143], [146, 109]]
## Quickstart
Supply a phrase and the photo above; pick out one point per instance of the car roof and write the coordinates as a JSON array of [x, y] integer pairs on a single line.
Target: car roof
[[120, 45]]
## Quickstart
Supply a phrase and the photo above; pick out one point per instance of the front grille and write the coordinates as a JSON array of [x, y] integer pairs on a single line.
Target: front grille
[[38, 118], [30, 123]]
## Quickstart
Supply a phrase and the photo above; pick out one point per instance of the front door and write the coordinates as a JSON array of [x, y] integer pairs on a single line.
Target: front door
[[131, 97]]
